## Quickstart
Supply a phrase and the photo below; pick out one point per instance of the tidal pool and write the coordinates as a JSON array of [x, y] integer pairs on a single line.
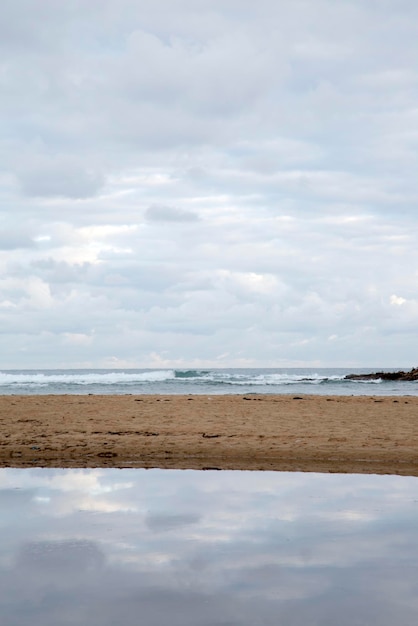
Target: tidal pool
[[126, 547]]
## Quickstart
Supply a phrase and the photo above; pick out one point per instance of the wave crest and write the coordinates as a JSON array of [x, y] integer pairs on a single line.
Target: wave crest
[[42, 379]]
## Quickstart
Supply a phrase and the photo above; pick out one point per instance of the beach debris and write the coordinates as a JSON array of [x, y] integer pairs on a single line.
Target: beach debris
[[143, 433]]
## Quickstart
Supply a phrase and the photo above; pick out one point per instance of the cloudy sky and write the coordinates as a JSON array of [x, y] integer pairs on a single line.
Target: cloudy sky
[[208, 183]]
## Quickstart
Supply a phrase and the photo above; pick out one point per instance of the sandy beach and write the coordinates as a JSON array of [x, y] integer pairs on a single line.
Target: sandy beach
[[365, 434]]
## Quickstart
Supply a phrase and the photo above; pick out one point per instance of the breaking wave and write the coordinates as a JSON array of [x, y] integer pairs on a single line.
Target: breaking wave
[[173, 381], [82, 378], [266, 379]]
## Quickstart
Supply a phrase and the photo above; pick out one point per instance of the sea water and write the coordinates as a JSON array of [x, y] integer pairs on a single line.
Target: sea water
[[199, 381], [186, 548]]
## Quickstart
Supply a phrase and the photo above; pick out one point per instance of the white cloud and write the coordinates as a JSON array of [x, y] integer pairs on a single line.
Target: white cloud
[[397, 300]]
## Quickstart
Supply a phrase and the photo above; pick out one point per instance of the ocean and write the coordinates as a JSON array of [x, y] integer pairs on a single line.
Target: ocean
[[323, 381]]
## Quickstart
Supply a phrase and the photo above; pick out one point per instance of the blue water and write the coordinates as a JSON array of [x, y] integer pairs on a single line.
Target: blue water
[[324, 381]]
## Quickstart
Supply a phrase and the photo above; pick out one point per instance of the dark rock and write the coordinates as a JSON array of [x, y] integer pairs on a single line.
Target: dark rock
[[401, 375]]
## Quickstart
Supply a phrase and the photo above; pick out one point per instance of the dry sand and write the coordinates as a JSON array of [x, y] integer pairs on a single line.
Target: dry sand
[[257, 432]]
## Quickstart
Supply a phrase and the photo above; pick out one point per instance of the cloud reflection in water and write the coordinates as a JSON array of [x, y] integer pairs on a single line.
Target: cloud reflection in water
[[150, 547]]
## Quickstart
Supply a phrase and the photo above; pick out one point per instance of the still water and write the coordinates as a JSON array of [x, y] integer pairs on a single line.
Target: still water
[[185, 548]]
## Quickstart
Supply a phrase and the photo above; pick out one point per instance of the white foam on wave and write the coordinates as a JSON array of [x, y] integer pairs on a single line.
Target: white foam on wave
[[121, 381], [83, 378], [268, 379]]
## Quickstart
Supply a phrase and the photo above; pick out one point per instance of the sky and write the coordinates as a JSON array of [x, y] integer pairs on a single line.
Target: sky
[[208, 183]]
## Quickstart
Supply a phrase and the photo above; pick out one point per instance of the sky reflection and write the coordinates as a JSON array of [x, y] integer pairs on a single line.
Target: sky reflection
[[105, 547]]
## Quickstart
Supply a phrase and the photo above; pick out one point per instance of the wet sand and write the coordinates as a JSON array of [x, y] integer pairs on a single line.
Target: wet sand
[[365, 434]]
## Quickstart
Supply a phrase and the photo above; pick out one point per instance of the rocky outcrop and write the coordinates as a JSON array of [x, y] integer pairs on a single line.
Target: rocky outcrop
[[403, 376]]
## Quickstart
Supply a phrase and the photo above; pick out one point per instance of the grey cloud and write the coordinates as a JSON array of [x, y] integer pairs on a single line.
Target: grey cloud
[[169, 521], [63, 177], [55, 558], [160, 213], [12, 499], [61, 272], [15, 239]]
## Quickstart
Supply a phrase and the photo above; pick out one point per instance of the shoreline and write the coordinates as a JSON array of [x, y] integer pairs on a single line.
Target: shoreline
[[347, 434]]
